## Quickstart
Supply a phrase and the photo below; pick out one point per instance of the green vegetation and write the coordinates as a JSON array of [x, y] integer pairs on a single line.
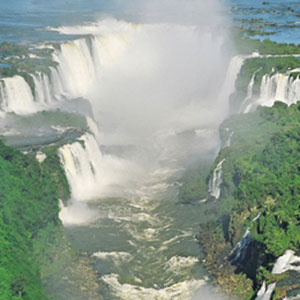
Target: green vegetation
[[29, 205], [64, 272], [261, 169], [260, 177], [261, 174], [194, 183]]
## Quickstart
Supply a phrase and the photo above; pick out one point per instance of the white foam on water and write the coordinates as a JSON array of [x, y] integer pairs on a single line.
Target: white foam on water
[[143, 217], [178, 291], [176, 264], [117, 256], [176, 237], [105, 26], [9, 131], [76, 214]]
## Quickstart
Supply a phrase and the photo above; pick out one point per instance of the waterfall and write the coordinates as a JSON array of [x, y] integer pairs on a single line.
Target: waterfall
[[241, 247], [233, 71], [92, 54], [16, 95], [216, 181], [77, 78], [228, 142], [245, 106], [43, 90], [82, 164], [99, 174], [277, 87], [288, 261], [265, 293]]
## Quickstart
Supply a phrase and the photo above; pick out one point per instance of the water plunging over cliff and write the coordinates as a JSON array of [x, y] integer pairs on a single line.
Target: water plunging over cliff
[[216, 181], [277, 87]]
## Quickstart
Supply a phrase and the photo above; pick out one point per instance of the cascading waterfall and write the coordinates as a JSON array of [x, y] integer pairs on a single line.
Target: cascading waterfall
[[66, 81], [216, 181], [242, 245], [43, 90], [76, 79], [84, 165], [288, 261], [246, 106], [228, 141], [234, 68], [277, 87], [17, 96], [239, 250]]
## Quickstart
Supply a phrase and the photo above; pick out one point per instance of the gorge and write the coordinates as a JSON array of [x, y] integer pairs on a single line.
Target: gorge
[[118, 116]]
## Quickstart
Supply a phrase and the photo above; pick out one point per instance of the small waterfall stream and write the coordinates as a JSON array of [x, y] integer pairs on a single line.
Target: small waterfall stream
[[216, 181]]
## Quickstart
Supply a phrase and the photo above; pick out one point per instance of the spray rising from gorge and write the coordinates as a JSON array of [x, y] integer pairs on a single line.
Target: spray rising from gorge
[[150, 86]]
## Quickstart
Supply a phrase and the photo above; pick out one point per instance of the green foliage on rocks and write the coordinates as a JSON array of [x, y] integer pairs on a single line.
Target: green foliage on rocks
[[260, 178], [194, 183], [262, 172], [29, 205]]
